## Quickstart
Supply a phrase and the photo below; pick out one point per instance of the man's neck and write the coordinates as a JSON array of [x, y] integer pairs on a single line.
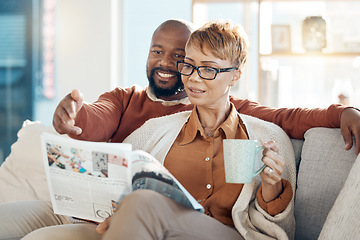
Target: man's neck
[[178, 96]]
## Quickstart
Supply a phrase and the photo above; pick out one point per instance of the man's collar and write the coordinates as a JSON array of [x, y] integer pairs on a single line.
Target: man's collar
[[152, 96]]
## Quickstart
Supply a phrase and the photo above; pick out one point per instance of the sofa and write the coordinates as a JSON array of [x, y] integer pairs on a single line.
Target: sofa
[[327, 197]]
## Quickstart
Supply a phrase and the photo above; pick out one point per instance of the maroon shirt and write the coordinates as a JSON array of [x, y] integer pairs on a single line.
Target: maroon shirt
[[118, 113]]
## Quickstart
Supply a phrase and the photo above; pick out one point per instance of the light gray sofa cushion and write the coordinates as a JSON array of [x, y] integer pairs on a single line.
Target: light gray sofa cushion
[[324, 167]]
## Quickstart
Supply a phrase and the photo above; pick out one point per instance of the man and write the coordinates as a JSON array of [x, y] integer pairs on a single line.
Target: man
[[118, 113]]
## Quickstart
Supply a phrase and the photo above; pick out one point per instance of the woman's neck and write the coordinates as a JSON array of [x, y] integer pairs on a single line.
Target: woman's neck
[[212, 117]]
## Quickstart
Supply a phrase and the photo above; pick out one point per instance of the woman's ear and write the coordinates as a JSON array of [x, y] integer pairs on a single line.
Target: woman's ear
[[236, 77]]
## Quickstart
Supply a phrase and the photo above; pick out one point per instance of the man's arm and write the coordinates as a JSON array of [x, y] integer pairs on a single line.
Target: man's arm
[[296, 121], [92, 122]]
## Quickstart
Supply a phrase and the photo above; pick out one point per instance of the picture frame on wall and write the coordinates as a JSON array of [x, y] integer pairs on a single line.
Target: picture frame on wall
[[280, 38]]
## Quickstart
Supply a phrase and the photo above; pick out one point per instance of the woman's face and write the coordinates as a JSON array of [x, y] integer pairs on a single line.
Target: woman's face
[[208, 93]]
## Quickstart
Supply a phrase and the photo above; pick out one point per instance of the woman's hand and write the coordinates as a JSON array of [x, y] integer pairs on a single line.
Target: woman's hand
[[102, 227], [350, 126], [271, 175]]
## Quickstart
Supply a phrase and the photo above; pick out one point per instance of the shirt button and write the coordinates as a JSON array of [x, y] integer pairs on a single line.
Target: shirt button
[[208, 186], [207, 159]]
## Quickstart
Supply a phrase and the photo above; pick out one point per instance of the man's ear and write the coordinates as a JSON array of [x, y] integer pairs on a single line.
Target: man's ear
[[236, 77]]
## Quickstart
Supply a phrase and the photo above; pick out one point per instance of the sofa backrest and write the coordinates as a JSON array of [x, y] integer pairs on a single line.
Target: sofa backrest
[[297, 145]]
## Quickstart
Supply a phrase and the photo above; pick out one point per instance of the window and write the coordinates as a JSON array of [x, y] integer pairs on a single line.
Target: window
[[285, 68], [238, 12], [139, 20], [19, 66], [322, 63]]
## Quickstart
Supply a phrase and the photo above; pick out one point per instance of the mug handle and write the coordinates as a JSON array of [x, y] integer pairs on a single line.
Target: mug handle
[[258, 149]]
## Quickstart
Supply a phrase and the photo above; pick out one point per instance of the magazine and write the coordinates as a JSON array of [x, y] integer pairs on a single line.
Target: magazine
[[87, 179]]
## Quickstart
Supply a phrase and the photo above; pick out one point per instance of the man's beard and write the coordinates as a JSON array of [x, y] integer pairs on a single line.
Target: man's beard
[[165, 92]]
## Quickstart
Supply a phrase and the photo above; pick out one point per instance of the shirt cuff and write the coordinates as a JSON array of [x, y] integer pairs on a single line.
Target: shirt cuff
[[280, 203], [334, 114]]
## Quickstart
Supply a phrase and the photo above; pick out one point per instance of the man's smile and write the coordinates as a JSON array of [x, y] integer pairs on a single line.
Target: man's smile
[[166, 74]]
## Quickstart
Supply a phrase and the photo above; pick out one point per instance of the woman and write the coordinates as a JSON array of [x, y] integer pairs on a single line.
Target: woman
[[190, 146]]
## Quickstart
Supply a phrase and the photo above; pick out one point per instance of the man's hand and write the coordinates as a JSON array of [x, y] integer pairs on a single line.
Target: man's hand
[[65, 113], [350, 126]]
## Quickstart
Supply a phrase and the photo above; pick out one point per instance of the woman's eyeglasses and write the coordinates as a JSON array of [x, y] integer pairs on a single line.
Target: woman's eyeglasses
[[207, 73]]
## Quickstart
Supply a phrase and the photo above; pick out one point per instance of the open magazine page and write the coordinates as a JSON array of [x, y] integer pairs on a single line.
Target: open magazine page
[[85, 177], [149, 173]]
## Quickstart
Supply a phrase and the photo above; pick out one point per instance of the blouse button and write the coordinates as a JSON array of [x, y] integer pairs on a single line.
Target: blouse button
[[207, 159], [208, 186]]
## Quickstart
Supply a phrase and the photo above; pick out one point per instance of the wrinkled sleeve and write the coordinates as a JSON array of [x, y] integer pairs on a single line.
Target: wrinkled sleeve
[[279, 204], [294, 121], [99, 120]]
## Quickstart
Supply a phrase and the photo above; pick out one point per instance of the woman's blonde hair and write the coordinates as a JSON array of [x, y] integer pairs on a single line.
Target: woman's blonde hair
[[224, 39]]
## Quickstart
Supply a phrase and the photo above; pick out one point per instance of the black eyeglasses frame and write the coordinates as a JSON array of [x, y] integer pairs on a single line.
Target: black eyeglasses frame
[[217, 70]]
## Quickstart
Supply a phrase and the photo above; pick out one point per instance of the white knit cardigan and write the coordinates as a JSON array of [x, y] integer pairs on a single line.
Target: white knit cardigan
[[157, 135]]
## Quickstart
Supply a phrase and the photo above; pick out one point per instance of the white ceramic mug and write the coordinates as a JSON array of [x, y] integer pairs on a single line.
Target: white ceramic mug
[[240, 158]]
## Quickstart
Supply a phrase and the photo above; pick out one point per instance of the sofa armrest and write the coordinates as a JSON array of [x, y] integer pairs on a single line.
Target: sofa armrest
[[22, 175], [324, 167]]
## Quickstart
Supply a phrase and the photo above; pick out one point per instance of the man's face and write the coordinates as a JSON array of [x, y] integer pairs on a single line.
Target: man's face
[[167, 47]]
